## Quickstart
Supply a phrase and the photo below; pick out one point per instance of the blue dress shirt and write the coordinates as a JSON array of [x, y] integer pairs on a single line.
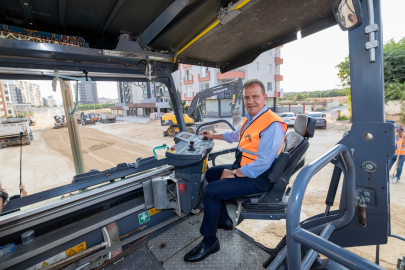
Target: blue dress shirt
[[270, 142]]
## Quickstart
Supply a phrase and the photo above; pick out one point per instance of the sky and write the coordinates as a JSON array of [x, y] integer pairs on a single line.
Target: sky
[[309, 63]]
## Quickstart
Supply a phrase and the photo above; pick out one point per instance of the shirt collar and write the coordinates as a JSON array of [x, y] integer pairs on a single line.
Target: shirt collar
[[249, 118]]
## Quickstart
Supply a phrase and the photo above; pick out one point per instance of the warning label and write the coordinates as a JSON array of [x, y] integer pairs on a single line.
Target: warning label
[[153, 211], [76, 249], [44, 264]]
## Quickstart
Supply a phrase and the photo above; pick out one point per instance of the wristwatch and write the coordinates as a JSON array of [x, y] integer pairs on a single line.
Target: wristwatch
[[5, 197], [234, 173]]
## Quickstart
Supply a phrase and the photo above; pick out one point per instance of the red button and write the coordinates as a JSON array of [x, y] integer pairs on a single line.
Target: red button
[[172, 148]]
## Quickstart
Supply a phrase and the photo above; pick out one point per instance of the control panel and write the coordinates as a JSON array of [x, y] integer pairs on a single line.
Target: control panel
[[189, 149]]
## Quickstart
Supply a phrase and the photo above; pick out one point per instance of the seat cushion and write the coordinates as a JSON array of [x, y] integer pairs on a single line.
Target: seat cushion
[[292, 139]]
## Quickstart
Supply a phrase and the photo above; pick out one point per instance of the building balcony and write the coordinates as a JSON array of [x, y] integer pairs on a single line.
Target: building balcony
[[231, 75], [159, 94], [206, 78], [166, 94], [275, 94], [278, 60], [187, 66], [189, 81], [144, 96], [278, 77]]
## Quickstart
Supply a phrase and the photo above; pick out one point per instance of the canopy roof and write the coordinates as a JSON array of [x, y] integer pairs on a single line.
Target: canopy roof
[[168, 26]]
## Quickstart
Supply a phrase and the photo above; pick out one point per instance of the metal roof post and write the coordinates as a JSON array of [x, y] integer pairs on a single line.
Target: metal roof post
[[73, 130]]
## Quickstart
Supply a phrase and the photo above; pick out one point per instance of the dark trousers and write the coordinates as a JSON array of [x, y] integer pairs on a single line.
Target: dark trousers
[[217, 192], [400, 165]]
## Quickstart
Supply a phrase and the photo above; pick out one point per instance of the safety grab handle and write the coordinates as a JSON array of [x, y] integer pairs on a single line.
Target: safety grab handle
[[297, 235], [215, 122]]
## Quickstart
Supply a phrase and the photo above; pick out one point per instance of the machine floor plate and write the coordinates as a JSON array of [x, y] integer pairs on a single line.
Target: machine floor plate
[[236, 252]]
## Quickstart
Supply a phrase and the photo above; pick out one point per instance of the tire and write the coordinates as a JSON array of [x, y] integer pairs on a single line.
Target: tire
[[191, 130], [31, 136], [171, 131]]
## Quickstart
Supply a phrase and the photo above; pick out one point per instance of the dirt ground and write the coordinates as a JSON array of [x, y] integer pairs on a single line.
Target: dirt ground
[[48, 163]]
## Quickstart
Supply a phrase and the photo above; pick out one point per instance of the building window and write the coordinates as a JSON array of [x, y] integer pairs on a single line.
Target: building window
[[188, 74], [189, 91], [10, 112], [269, 86], [203, 72], [268, 68], [257, 65], [204, 86]]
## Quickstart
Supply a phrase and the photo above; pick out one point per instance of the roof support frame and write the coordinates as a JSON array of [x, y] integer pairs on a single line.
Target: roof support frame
[[110, 17], [164, 19], [61, 11], [27, 10]]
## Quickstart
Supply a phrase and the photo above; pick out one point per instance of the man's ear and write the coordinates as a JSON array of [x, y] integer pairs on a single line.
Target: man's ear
[[265, 96]]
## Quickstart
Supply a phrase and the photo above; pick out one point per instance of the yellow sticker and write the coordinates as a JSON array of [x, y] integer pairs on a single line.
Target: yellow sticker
[[44, 264], [204, 165], [153, 211], [76, 249]]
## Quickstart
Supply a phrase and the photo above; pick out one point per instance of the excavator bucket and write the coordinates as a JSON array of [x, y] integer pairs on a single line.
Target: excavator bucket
[[236, 120]]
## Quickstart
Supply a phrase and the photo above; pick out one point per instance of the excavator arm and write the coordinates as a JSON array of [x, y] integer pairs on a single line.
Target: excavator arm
[[234, 86]]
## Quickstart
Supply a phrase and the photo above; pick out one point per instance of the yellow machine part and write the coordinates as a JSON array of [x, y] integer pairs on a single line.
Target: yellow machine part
[[172, 117]]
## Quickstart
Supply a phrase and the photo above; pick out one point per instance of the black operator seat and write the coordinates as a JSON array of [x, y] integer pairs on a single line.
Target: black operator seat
[[290, 160]]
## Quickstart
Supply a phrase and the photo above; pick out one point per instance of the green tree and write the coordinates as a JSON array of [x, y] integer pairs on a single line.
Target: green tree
[[182, 102], [394, 73], [300, 97]]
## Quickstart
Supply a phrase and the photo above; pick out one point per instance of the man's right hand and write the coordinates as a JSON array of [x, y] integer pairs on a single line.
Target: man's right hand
[[207, 134]]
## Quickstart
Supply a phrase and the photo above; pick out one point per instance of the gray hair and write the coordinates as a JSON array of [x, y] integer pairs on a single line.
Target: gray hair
[[251, 82]]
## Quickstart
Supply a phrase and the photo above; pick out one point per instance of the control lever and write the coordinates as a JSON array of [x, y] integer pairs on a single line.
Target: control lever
[[191, 146]]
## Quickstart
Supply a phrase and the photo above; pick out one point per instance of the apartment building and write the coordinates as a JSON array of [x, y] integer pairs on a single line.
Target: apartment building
[[6, 102], [26, 93], [87, 93], [192, 79]]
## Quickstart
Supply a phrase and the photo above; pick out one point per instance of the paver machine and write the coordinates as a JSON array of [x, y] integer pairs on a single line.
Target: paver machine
[[138, 215], [59, 121], [193, 113]]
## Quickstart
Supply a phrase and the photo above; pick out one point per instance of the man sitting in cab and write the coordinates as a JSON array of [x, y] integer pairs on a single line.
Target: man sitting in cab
[[260, 139]]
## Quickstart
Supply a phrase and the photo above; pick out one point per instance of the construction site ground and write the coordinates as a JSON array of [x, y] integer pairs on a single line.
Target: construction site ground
[[48, 163]]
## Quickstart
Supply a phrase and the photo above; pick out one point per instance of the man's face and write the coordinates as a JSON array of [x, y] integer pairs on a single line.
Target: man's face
[[400, 133], [254, 99]]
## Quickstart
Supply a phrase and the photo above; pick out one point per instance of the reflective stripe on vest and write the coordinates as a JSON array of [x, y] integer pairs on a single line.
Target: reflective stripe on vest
[[250, 138], [400, 147]]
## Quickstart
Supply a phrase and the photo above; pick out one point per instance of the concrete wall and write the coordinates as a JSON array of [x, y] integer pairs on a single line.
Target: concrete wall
[[332, 104], [294, 109], [393, 107]]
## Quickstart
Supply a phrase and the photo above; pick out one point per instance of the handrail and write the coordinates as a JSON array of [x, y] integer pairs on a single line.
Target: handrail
[[214, 122], [297, 235]]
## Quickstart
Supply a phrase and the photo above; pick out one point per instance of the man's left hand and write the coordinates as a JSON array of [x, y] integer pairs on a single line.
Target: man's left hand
[[227, 174]]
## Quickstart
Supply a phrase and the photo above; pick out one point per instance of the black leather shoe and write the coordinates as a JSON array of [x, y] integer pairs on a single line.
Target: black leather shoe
[[199, 253], [227, 225]]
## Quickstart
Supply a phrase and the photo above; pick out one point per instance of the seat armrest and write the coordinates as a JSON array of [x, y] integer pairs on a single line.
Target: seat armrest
[[277, 168]]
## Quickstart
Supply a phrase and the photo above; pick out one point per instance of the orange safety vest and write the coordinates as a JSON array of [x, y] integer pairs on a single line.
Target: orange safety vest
[[400, 147], [250, 138]]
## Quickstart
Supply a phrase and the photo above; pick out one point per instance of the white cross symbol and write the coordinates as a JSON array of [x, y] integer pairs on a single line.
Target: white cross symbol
[[144, 216]]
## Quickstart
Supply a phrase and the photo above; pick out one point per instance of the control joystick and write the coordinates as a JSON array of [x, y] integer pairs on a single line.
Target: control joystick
[[191, 146]]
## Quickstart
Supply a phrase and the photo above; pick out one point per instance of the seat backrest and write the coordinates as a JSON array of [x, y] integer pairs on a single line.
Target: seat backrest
[[297, 143]]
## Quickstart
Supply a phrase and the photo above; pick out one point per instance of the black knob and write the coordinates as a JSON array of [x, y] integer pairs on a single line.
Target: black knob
[[192, 143]]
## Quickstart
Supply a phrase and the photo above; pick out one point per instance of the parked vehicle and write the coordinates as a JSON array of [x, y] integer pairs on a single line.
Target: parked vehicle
[[59, 121], [10, 132], [108, 118], [288, 118], [320, 119], [86, 119], [95, 117], [32, 121], [78, 118]]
